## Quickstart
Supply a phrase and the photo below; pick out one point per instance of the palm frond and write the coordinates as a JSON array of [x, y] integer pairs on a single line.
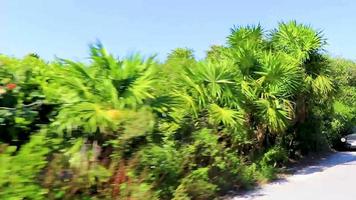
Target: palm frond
[[249, 36], [229, 117], [297, 39], [322, 86], [275, 114], [277, 76]]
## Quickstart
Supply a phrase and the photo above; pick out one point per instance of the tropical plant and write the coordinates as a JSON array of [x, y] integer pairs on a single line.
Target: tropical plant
[[134, 128]]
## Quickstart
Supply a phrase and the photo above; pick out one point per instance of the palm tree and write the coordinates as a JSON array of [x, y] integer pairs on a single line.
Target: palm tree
[[304, 46], [206, 88], [274, 71], [106, 94]]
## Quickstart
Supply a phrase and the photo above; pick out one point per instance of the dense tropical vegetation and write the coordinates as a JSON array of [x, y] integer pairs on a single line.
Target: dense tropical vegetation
[[136, 128]]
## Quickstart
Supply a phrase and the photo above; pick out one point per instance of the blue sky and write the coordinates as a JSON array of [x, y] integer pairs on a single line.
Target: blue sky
[[65, 28]]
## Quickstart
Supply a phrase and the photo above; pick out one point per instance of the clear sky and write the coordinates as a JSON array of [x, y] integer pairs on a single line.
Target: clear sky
[[65, 27]]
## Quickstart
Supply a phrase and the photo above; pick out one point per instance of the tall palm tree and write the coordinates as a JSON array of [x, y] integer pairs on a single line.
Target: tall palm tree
[[275, 68], [304, 46]]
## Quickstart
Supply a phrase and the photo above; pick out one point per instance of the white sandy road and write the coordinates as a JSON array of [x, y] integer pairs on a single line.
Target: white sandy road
[[333, 178]]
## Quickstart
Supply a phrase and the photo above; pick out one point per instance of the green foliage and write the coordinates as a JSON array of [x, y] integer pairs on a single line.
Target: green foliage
[[343, 120], [134, 128], [19, 173], [274, 156], [101, 96], [163, 165], [21, 106], [195, 186]]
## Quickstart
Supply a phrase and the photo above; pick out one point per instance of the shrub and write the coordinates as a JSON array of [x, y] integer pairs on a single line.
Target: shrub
[[196, 186], [20, 171], [274, 156]]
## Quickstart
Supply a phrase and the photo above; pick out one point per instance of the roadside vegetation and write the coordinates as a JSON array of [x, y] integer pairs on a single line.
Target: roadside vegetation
[[136, 128]]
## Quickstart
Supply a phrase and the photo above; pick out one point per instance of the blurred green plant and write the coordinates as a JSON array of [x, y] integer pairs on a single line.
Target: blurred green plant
[[134, 128]]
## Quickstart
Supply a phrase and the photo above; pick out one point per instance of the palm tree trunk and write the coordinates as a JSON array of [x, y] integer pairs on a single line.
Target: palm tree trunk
[[300, 110], [260, 135]]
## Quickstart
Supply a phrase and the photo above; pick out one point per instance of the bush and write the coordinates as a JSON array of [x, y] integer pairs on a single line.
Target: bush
[[19, 171], [274, 156], [196, 186], [162, 167]]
